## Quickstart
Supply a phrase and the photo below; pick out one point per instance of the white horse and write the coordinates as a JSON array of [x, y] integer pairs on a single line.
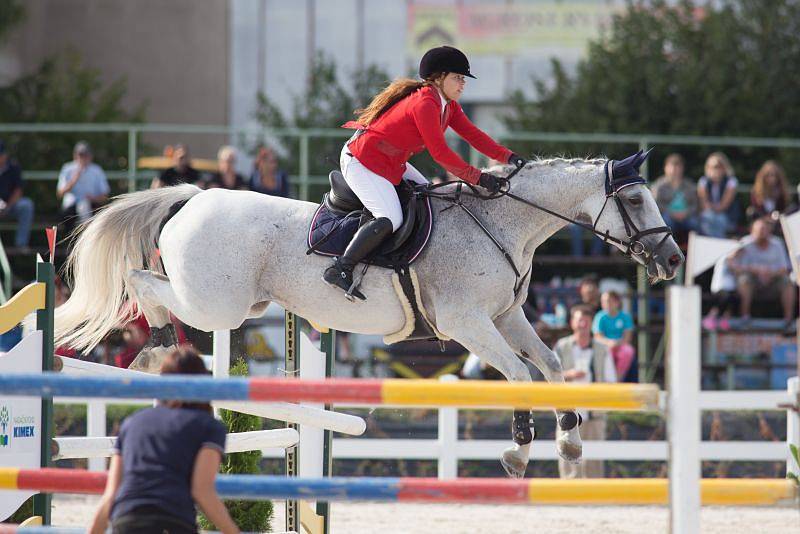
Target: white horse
[[227, 254]]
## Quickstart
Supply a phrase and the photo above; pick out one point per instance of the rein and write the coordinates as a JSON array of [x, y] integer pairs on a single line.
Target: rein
[[633, 247]]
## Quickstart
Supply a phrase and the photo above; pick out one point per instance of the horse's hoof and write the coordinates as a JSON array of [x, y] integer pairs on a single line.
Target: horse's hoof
[[514, 462], [570, 448], [149, 360]]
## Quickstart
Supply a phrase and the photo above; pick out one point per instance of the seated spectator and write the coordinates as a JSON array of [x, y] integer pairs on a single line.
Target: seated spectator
[[82, 187], [762, 268], [589, 291], [613, 327], [676, 196], [227, 177], [723, 296], [12, 204], [181, 172], [770, 195], [583, 362], [716, 190], [266, 177]]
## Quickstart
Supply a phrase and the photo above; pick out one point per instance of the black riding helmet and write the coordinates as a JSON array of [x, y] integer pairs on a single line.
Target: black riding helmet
[[444, 59]]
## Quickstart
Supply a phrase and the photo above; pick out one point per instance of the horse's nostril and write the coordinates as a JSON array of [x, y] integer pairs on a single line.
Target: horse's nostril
[[674, 260]]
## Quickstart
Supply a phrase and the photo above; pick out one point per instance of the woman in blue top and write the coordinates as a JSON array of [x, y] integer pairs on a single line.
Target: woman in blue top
[[165, 460], [613, 327]]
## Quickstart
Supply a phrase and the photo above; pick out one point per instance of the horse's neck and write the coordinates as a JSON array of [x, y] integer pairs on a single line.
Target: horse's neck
[[559, 188]]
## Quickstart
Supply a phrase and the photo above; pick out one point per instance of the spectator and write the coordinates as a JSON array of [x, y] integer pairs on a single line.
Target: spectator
[[762, 268], [181, 172], [676, 196], [82, 187], [165, 460], [723, 296], [12, 204], [266, 177], [590, 293], [613, 327], [584, 362], [716, 191], [770, 195], [227, 177]]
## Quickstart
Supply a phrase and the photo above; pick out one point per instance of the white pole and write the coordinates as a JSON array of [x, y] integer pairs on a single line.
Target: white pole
[[448, 438], [222, 353], [96, 427], [793, 424], [683, 408]]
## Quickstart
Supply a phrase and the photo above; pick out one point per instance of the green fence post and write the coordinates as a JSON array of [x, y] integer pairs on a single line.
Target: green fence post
[[132, 139], [304, 168], [45, 273]]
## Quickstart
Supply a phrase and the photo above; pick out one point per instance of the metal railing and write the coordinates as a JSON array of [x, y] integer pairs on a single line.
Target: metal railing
[[304, 179]]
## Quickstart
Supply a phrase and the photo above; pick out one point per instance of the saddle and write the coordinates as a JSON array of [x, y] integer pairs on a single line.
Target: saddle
[[341, 214]]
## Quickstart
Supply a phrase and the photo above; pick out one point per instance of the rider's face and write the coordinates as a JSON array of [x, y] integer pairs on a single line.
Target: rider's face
[[452, 85]]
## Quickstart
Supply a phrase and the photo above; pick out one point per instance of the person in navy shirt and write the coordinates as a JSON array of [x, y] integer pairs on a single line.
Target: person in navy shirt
[[165, 460]]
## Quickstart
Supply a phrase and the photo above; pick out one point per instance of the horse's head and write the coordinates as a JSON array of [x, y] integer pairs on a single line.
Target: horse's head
[[627, 213]]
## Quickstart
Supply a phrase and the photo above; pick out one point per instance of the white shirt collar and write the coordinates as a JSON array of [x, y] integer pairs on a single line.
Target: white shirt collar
[[443, 99]]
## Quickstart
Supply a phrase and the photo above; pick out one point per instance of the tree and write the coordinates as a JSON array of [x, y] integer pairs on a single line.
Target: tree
[[722, 68], [64, 90], [11, 12]]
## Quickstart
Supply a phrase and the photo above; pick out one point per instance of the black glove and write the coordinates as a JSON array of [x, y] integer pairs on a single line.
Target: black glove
[[490, 182], [516, 161]]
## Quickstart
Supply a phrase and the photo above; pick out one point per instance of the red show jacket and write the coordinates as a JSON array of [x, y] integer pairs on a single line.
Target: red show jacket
[[416, 123]]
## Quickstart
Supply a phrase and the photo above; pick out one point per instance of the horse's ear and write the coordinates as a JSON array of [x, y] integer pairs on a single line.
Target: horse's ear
[[642, 157]]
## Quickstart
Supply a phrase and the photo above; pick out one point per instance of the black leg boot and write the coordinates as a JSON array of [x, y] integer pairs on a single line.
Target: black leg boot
[[367, 239]]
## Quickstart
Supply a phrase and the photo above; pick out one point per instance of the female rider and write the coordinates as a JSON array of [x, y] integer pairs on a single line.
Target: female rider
[[402, 120]]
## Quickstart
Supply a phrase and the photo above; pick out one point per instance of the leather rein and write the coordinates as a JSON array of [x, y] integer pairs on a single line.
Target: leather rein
[[633, 246]]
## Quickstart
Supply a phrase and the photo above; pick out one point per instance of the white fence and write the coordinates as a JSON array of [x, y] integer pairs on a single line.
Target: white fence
[[448, 449]]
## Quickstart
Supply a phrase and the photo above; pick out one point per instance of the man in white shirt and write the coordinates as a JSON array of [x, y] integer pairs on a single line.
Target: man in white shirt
[[585, 361], [82, 187]]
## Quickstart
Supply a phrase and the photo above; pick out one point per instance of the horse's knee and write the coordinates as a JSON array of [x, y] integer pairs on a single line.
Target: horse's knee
[[547, 361]]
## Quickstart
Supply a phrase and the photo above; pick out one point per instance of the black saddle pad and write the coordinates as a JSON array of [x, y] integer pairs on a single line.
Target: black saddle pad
[[342, 227]]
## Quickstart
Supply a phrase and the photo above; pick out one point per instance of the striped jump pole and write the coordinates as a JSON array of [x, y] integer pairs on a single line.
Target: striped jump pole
[[539, 491], [394, 392]]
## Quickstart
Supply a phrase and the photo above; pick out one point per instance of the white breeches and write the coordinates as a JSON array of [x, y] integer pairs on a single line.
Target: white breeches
[[376, 192]]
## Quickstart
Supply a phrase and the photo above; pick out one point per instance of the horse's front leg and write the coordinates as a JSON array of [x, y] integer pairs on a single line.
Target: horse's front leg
[[479, 335], [523, 339]]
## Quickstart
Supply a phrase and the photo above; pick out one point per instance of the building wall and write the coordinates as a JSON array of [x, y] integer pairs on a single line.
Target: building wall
[[174, 55]]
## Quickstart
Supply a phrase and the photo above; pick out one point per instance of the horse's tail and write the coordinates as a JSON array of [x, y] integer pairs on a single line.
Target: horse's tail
[[121, 237]]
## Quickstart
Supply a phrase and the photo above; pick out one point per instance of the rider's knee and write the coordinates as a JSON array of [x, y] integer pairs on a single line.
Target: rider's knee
[[397, 220]]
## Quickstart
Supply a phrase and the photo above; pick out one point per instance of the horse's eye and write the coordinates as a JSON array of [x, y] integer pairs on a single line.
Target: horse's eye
[[635, 201]]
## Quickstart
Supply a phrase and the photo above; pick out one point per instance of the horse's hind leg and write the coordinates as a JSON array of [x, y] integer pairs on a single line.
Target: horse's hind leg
[[152, 298], [523, 339], [479, 335]]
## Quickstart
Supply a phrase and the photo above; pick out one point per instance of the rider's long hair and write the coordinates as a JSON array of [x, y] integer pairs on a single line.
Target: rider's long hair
[[394, 93]]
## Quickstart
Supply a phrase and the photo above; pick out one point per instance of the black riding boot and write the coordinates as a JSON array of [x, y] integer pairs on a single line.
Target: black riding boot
[[367, 239]]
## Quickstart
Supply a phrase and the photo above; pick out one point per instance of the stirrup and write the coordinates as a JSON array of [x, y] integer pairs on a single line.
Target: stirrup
[[522, 430]]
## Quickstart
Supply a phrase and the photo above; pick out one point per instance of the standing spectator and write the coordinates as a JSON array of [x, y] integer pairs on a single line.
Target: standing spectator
[[613, 327], [227, 177], [181, 172], [716, 191], [590, 293], [584, 362], [770, 195], [266, 177], [762, 268], [12, 203], [82, 187], [166, 459], [676, 196]]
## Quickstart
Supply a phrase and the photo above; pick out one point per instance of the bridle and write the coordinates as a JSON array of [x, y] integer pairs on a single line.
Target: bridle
[[632, 246]]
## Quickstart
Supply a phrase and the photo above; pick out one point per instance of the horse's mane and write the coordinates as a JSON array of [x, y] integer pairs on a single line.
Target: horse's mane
[[551, 162]]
